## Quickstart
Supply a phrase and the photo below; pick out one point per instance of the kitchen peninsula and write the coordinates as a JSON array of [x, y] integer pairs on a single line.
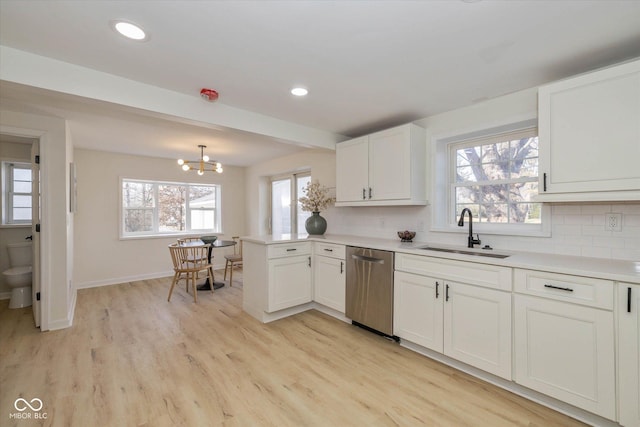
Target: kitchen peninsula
[[502, 319]]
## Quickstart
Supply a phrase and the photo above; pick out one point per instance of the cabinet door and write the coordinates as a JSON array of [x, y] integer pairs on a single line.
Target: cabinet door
[[417, 312], [629, 353], [390, 164], [566, 351], [477, 327], [329, 282], [590, 132], [352, 170], [289, 282]]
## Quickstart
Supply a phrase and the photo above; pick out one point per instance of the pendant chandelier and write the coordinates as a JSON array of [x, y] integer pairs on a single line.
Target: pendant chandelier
[[201, 165]]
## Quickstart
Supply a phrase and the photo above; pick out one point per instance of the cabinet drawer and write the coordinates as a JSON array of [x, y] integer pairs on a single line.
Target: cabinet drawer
[[486, 275], [577, 289], [288, 250], [330, 249]]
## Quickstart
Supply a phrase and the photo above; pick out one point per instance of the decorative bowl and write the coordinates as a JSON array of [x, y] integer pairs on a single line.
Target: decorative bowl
[[406, 236]]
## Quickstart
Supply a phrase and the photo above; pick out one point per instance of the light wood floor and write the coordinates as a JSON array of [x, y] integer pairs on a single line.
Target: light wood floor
[[134, 359]]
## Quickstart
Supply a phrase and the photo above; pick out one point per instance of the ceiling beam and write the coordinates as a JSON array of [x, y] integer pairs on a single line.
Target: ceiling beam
[[38, 71]]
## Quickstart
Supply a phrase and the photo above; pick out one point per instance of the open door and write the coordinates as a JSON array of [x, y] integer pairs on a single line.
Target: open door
[[35, 229]]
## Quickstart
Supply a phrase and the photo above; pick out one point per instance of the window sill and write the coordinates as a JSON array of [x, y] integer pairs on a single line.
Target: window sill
[[478, 229], [171, 235], [15, 225]]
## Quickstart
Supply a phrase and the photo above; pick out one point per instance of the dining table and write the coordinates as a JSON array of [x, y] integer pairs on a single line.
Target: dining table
[[215, 243]]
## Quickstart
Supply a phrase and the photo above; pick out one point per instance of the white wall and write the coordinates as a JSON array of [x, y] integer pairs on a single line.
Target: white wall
[[577, 229], [321, 163], [100, 257]]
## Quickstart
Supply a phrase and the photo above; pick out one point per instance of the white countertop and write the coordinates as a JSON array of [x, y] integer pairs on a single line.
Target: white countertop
[[622, 271]]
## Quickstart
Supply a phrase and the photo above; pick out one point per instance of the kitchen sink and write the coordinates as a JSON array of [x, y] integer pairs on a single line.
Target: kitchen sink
[[463, 252]]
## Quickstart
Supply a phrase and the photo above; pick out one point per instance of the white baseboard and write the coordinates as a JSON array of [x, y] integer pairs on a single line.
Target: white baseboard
[[5, 295], [123, 279], [134, 278], [64, 323]]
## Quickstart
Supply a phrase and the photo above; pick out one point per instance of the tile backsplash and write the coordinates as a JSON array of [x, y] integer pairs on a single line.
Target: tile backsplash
[[576, 229]]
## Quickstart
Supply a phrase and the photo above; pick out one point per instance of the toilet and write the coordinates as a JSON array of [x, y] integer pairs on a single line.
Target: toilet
[[18, 277]]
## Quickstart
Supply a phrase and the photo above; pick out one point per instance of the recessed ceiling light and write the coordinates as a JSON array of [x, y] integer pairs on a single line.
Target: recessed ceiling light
[[129, 30], [299, 91]]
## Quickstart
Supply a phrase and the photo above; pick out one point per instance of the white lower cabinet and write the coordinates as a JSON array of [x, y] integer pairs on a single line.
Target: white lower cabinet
[[466, 322], [289, 282], [418, 314], [477, 327], [289, 276], [564, 339], [629, 354], [329, 278]]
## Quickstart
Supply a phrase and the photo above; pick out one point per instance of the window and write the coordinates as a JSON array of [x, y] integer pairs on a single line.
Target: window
[[494, 173], [160, 208], [287, 218], [17, 193], [497, 178]]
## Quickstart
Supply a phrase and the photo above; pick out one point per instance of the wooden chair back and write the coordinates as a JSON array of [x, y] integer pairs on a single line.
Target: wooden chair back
[[188, 261]]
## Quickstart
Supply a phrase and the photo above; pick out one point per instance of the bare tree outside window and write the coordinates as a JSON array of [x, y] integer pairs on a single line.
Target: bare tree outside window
[[138, 206], [161, 207], [171, 207], [497, 181]]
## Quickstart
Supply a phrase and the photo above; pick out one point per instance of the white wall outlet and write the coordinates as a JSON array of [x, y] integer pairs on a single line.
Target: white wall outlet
[[613, 222]]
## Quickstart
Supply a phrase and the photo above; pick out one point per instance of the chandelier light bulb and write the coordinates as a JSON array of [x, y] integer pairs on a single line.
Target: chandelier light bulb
[[204, 164]]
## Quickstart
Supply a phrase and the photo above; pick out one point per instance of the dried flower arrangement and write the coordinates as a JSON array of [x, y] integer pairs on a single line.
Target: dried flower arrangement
[[316, 197]]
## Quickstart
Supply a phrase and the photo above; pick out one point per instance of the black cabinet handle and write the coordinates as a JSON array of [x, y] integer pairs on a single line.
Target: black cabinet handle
[[369, 192], [446, 293], [291, 250], [437, 293], [364, 194], [341, 267], [559, 288], [544, 182], [328, 250], [309, 261], [628, 300]]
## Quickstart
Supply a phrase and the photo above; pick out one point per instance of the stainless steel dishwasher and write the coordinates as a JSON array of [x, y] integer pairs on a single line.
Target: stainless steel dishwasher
[[370, 289]]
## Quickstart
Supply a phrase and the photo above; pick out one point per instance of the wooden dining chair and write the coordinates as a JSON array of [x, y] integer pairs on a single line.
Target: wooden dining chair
[[188, 263], [191, 241], [233, 260]]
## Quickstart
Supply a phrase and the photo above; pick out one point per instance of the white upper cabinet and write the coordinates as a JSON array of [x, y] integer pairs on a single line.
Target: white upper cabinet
[[384, 168], [589, 130]]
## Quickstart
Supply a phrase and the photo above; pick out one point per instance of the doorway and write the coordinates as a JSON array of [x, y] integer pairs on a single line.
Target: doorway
[[21, 211]]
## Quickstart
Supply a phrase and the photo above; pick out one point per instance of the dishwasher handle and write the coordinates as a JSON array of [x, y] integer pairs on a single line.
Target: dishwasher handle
[[368, 259]]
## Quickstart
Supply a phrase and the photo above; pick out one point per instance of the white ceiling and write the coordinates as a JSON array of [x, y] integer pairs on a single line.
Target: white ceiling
[[368, 65]]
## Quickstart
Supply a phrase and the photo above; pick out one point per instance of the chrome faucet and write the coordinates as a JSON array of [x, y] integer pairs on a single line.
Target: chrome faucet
[[470, 240]]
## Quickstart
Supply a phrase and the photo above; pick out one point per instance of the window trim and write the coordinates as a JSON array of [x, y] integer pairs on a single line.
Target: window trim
[[155, 212], [292, 177], [443, 174], [7, 192]]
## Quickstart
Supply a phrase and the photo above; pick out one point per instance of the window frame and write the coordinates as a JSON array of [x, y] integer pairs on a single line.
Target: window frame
[[444, 202], [217, 210], [293, 181], [8, 191]]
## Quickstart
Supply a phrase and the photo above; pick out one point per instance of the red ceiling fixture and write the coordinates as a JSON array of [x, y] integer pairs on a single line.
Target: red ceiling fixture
[[209, 94]]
